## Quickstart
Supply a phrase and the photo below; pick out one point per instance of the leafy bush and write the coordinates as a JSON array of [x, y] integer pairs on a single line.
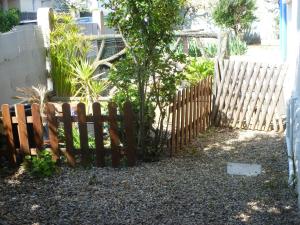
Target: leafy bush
[[147, 28], [210, 50], [9, 19], [41, 165], [194, 50], [237, 47], [198, 69], [237, 15], [67, 46]]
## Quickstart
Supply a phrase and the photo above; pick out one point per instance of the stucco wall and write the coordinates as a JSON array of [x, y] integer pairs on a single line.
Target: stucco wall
[[22, 61]]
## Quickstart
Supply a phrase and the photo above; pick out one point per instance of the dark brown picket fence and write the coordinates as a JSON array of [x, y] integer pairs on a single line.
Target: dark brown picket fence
[[190, 114], [52, 118]]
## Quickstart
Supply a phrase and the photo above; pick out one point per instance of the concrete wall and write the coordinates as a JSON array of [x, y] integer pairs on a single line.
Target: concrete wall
[[22, 61]]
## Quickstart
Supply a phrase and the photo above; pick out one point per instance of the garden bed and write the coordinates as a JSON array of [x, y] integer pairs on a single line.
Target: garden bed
[[190, 189]]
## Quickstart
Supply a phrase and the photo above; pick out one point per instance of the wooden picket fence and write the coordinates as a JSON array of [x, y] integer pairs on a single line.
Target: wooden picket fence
[[53, 119], [249, 95], [190, 114]]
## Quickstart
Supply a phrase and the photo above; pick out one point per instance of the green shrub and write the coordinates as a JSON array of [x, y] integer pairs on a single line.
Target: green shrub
[[237, 15], [198, 69], [194, 50], [9, 19], [41, 165], [210, 50], [67, 46], [237, 47]]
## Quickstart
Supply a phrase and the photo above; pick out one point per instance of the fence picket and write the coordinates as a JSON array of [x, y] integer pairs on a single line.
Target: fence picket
[[83, 134], [178, 121], [130, 133], [22, 129], [53, 130], [7, 125], [98, 132], [37, 126], [113, 131], [67, 121], [173, 127], [187, 115], [182, 118]]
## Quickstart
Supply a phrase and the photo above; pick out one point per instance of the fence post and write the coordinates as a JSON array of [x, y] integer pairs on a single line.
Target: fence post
[[37, 126], [7, 124], [113, 132], [67, 121], [53, 133], [129, 122], [22, 129], [83, 134], [98, 131]]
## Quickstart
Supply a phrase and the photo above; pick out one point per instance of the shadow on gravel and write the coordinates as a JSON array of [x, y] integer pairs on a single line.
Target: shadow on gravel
[[264, 199], [190, 189]]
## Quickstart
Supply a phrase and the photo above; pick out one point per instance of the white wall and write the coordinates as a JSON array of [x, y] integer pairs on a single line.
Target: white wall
[[22, 61]]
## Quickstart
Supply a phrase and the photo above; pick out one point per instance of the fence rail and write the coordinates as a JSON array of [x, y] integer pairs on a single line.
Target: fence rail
[[190, 114], [20, 143]]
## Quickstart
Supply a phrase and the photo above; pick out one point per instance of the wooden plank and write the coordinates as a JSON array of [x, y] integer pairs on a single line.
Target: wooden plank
[[98, 132], [182, 118], [178, 122], [68, 131], [129, 121], [237, 92], [53, 130], [195, 112], [187, 110], [253, 73], [198, 109], [22, 129], [201, 120], [83, 134], [173, 128], [7, 125], [256, 95], [114, 137], [244, 90], [272, 92], [224, 92], [263, 94], [231, 88], [207, 103], [37, 126], [190, 125], [219, 90], [275, 97], [210, 100], [251, 89]]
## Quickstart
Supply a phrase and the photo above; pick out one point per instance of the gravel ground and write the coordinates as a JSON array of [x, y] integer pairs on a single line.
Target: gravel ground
[[190, 189]]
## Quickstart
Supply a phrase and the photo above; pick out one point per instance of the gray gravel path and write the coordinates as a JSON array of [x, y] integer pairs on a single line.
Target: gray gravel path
[[190, 189]]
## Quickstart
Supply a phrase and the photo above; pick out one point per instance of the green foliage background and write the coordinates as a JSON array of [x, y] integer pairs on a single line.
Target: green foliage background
[[9, 19]]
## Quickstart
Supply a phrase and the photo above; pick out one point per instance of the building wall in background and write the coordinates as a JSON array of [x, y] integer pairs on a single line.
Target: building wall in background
[[22, 61]]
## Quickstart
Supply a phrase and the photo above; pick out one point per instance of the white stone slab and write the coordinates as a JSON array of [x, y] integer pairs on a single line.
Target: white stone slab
[[243, 169]]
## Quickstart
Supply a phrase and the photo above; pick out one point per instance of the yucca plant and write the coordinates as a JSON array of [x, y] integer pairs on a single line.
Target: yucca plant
[[84, 82], [67, 45]]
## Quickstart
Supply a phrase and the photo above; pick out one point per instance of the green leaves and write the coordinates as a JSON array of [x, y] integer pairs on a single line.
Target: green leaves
[[41, 165], [237, 15], [67, 46], [147, 76], [198, 69], [9, 19]]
